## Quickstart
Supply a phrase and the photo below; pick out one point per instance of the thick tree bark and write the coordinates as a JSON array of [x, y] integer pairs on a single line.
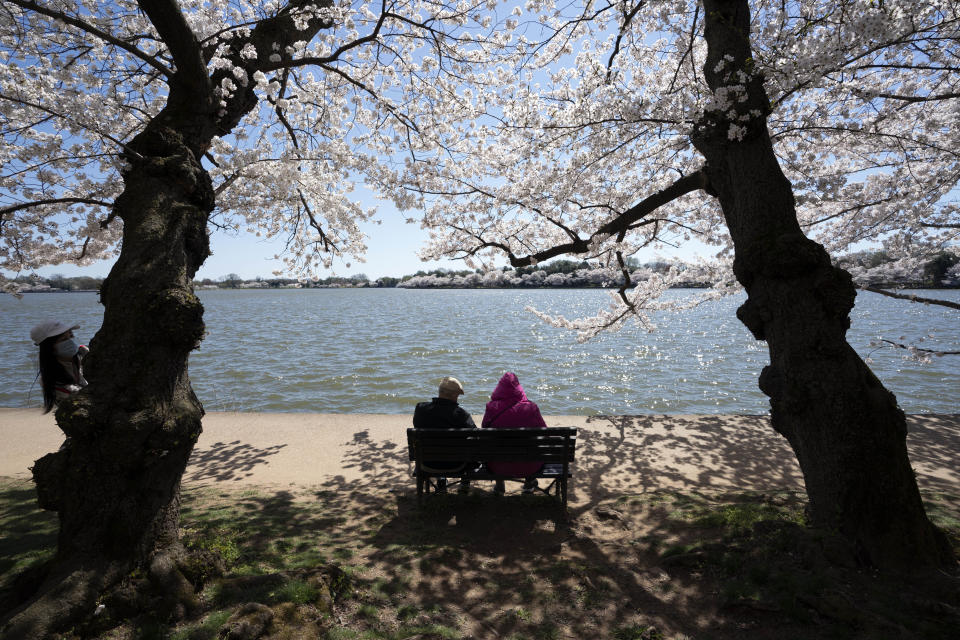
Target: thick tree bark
[[116, 481], [846, 429]]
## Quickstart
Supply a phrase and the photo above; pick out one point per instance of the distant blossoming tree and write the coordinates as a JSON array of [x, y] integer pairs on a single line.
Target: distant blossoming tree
[[632, 124]]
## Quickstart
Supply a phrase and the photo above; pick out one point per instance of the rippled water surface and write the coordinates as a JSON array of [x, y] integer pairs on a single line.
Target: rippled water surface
[[383, 350]]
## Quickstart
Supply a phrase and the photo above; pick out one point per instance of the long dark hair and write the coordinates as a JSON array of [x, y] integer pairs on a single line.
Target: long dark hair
[[51, 372]]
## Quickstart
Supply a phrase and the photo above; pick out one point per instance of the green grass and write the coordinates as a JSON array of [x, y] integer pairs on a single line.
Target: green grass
[[431, 632], [219, 540], [942, 510], [28, 535], [749, 545], [757, 551], [739, 518], [546, 631], [407, 612], [434, 573], [367, 612], [295, 591], [521, 614], [207, 629], [438, 630], [152, 630]]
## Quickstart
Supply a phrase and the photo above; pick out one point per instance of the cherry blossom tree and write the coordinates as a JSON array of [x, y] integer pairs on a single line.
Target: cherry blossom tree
[[138, 125], [804, 128]]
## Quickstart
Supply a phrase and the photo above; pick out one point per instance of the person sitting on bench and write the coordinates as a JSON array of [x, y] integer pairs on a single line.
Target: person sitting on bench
[[443, 412], [509, 408]]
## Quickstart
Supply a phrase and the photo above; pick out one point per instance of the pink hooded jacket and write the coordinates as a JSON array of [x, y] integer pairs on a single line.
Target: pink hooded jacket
[[509, 409]]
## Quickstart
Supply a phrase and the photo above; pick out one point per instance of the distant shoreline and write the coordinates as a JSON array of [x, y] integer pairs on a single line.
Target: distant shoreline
[[893, 287]]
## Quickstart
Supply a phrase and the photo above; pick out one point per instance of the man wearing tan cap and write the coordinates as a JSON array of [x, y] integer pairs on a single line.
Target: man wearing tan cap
[[443, 412]]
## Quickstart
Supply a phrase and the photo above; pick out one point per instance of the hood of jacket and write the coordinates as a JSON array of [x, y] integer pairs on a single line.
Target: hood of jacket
[[508, 390], [509, 406]]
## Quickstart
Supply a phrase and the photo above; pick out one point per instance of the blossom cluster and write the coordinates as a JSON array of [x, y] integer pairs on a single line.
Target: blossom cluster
[[599, 116], [505, 127], [357, 103]]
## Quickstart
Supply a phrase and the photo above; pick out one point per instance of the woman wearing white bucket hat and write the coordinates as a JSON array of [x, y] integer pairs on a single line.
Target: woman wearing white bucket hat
[[61, 355]]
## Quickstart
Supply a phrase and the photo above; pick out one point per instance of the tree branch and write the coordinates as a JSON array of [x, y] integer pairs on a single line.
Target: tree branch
[[39, 203], [912, 298], [909, 348], [83, 249], [55, 114], [936, 225], [94, 31], [692, 182], [891, 96], [333, 57], [623, 28], [404, 119], [619, 225], [176, 33], [271, 36]]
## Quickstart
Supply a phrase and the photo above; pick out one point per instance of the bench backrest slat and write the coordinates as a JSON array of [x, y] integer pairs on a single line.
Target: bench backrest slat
[[553, 444]]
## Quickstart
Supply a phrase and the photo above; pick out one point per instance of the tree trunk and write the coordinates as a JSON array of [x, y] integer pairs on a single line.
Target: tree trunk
[[115, 482], [846, 429]]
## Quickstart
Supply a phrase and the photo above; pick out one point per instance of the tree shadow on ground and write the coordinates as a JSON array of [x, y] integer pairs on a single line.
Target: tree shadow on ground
[[617, 455], [492, 567], [384, 461], [492, 559], [484, 558], [637, 454], [227, 461], [934, 443], [501, 567]]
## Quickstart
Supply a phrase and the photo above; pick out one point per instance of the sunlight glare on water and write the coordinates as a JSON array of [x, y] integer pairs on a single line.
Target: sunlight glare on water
[[383, 350]]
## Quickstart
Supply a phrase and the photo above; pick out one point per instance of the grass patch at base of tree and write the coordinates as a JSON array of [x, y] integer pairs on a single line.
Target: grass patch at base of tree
[[27, 533]]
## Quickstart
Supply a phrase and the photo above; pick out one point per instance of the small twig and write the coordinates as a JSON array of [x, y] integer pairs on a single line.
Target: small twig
[[628, 18], [83, 250]]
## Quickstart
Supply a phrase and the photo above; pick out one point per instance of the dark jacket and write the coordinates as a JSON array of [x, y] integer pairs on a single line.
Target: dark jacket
[[441, 413]]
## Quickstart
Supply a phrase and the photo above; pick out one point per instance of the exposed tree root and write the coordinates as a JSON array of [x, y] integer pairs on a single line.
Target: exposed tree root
[[70, 596]]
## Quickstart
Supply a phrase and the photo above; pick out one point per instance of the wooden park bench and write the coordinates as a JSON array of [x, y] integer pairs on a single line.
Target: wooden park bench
[[554, 446]]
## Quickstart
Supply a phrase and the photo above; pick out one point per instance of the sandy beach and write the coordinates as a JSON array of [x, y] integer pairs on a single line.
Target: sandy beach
[[615, 454], [302, 490]]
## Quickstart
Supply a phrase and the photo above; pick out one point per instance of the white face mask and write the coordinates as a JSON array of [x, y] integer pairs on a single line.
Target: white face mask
[[66, 349]]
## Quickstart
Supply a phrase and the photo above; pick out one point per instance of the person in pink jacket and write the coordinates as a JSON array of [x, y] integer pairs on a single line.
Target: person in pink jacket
[[509, 408]]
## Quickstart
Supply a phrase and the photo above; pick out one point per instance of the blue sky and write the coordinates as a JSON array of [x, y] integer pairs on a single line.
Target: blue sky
[[392, 246], [392, 249]]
